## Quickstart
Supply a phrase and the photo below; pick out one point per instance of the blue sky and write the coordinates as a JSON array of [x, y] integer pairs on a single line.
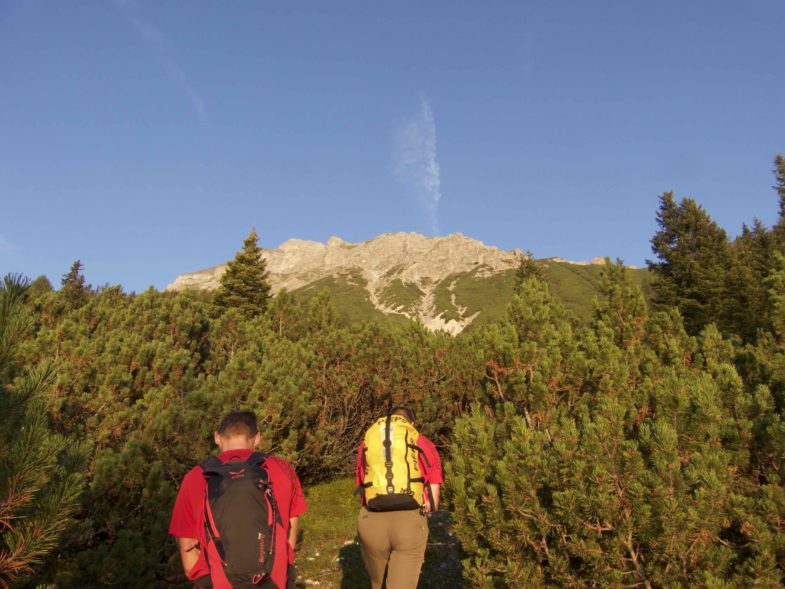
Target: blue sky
[[147, 137]]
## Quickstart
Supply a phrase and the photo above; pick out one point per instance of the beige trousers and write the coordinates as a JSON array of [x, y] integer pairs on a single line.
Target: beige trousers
[[393, 540]]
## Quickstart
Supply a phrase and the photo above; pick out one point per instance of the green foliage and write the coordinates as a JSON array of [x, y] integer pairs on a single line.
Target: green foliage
[[754, 250], [245, 285], [622, 308], [145, 378], [775, 290], [710, 279], [475, 293], [401, 296], [39, 287], [617, 454], [40, 472], [576, 286], [695, 263], [74, 289], [349, 298], [528, 267], [779, 186]]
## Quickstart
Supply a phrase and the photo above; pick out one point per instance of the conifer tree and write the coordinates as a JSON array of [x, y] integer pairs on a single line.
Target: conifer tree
[[527, 267], [779, 174], [534, 358], [40, 472], [641, 484], [39, 287], [695, 262], [74, 288], [748, 309], [775, 284], [779, 186], [623, 308], [245, 284]]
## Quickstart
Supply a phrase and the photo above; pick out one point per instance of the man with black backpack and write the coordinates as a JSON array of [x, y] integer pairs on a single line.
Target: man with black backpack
[[399, 474], [235, 517]]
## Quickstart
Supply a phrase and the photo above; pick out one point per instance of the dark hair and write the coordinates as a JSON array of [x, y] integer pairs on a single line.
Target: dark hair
[[404, 412], [237, 423]]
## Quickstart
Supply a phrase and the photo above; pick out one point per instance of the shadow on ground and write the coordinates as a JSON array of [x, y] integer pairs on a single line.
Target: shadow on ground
[[441, 569]]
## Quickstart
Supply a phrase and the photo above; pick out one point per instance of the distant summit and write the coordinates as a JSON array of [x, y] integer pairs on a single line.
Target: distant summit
[[445, 282]]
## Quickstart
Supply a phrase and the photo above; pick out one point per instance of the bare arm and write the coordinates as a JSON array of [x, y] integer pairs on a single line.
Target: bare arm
[[189, 553], [435, 490], [293, 521]]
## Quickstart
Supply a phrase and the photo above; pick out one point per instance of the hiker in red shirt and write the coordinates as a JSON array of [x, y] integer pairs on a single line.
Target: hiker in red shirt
[[394, 538], [235, 517]]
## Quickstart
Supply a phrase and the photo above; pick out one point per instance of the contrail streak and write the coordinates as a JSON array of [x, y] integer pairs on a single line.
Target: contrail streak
[[157, 42], [417, 163]]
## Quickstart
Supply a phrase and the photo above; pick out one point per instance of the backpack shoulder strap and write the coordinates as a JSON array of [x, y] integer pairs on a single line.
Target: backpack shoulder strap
[[256, 458], [421, 453], [210, 464], [388, 454], [213, 470]]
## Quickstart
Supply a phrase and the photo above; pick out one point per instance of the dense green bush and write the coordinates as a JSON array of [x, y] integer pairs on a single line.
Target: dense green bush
[[145, 378], [623, 451], [619, 454], [41, 472]]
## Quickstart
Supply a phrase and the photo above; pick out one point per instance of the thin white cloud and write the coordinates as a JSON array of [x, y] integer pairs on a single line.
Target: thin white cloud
[[155, 40], [416, 161]]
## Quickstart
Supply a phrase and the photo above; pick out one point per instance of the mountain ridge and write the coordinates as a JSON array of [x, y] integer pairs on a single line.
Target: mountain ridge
[[407, 274]]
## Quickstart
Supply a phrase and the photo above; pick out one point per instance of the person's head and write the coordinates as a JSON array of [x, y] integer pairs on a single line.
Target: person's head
[[405, 412], [237, 431]]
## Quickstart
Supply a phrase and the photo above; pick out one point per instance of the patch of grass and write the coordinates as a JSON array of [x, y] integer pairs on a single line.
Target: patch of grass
[[328, 553], [578, 285], [442, 299], [348, 295], [401, 295], [488, 294], [394, 271], [575, 285], [329, 525]]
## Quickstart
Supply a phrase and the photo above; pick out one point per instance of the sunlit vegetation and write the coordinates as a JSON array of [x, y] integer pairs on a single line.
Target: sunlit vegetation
[[640, 445]]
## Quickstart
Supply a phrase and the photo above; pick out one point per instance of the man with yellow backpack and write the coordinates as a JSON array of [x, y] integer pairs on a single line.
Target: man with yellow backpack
[[399, 474]]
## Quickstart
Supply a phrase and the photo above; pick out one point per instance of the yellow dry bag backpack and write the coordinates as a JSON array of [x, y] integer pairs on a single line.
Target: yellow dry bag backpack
[[393, 480]]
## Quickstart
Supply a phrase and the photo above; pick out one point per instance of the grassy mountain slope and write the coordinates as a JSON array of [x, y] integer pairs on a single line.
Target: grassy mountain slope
[[350, 298]]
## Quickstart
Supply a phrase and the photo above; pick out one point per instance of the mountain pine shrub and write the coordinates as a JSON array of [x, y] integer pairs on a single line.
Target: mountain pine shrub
[[40, 472], [642, 467]]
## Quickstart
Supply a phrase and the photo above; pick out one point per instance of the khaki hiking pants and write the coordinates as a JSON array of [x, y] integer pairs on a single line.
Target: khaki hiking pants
[[393, 540]]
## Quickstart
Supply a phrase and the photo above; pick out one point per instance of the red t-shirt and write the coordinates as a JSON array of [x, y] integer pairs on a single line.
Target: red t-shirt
[[432, 474], [188, 514]]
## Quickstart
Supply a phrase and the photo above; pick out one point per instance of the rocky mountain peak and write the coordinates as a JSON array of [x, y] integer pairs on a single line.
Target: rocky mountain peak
[[408, 260]]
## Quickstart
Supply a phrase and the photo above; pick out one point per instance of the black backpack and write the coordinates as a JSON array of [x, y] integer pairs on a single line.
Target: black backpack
[[241, 519]]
